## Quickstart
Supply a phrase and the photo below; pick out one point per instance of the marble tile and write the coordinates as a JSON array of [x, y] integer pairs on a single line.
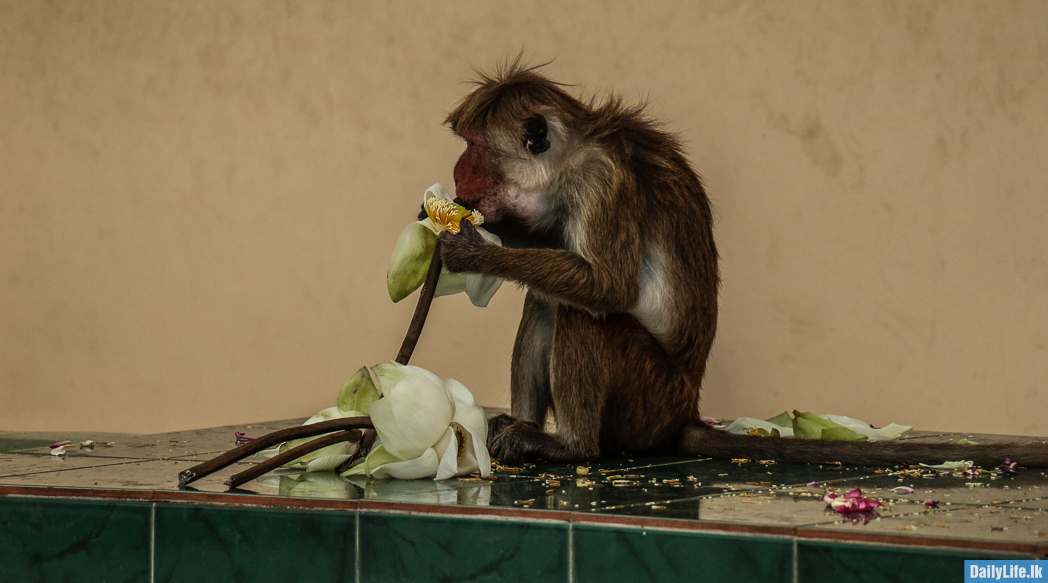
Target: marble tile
[[605, 555], [851, 563], [65, 540], [42, 469], [209, 543], [403, 547], [116, 473], [971, 523], [765, 507], [948, 490], [199, 444]]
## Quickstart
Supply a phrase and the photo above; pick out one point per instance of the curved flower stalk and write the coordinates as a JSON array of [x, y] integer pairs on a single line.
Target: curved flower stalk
[[415, 246], [426, 427], [353, 400]]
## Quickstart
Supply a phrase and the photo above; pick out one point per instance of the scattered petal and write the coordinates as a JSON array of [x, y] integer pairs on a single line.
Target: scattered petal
[[902, 490], [851, 502], [958, 465], [241, 439]]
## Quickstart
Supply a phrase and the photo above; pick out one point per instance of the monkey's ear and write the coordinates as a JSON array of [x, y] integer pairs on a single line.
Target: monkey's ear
[[535, 132]]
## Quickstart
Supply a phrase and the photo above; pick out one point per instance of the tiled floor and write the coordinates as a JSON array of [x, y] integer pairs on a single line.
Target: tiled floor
[[116, 510]]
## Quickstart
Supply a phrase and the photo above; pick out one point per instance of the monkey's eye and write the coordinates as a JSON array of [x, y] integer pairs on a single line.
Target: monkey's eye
[[535, 131]]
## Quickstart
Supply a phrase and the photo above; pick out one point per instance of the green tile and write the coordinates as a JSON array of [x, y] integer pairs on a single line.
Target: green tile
[[847, 563], [607, 554], [435, 548], [207, 543], [63, 540]]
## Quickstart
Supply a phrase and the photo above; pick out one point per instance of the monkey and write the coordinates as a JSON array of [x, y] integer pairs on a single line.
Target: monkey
[[610, 230]]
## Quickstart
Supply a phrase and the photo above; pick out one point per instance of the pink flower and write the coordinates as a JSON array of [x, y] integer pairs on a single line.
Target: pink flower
[[242, 439], [850, 502], [929, 503]]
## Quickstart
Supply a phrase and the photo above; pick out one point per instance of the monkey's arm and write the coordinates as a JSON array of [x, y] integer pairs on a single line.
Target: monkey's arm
[[599, 284]]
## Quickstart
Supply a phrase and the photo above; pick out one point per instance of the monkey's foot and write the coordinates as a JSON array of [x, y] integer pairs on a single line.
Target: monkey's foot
[[512, 441]]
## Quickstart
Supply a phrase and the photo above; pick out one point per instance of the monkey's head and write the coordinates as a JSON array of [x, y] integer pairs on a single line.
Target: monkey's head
[[520, 129]]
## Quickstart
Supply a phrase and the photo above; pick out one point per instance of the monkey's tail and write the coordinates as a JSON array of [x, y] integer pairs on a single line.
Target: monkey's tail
[[699, 439]]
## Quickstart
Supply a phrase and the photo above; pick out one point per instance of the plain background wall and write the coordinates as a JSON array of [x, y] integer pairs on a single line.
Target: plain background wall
[[198, 199]]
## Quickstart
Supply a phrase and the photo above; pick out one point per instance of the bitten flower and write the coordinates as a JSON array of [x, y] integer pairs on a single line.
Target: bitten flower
[[414, 250], [851, 502], [426, 427]]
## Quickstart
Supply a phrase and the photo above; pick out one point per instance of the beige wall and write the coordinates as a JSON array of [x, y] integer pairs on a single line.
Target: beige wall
[[197, 199]]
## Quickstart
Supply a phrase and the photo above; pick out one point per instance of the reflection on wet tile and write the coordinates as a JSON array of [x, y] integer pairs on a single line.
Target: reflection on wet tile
[[430, 492], [63, 540], [969, 522], [426, 548], [207, 543], [633, 555], [848, 563]]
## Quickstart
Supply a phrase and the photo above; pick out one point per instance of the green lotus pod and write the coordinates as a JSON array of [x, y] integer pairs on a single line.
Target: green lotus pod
[[358, 392], [410, 261]]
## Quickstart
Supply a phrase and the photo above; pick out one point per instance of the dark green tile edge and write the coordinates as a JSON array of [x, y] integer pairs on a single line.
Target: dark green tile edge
[[608, 554], [855, 563], [214, 543], [72, 541], [415, 548]]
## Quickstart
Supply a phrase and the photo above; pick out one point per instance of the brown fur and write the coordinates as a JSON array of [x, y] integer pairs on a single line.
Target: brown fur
[[611, 232]]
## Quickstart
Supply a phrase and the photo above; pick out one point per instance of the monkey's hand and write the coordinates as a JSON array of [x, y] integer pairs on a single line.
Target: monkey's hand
[[466, 250]]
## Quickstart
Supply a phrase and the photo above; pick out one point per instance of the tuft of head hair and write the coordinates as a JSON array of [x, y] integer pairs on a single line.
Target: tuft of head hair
[[511, 94]]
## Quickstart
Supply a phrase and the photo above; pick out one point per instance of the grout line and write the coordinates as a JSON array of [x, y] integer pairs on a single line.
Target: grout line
[[356, 546], [571, 551], [152, 543], [796, 562]]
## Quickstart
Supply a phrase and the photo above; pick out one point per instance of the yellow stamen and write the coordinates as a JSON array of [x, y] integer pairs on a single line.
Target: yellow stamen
[[448, 214]]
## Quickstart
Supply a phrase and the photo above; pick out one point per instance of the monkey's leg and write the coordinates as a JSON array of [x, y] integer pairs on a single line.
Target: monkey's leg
[[529, 376], [578, 380]]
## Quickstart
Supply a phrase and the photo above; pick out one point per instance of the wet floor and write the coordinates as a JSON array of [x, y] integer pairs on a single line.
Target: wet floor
[[985, 505]]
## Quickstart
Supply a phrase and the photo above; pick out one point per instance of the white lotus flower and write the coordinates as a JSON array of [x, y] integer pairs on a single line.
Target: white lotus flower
[[414, 250], [426, 427]]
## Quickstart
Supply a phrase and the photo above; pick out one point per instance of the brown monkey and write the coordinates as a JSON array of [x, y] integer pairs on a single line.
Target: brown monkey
[[610, 229]]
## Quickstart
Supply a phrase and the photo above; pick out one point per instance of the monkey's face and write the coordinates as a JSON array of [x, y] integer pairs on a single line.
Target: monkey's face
[[507, 170]]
